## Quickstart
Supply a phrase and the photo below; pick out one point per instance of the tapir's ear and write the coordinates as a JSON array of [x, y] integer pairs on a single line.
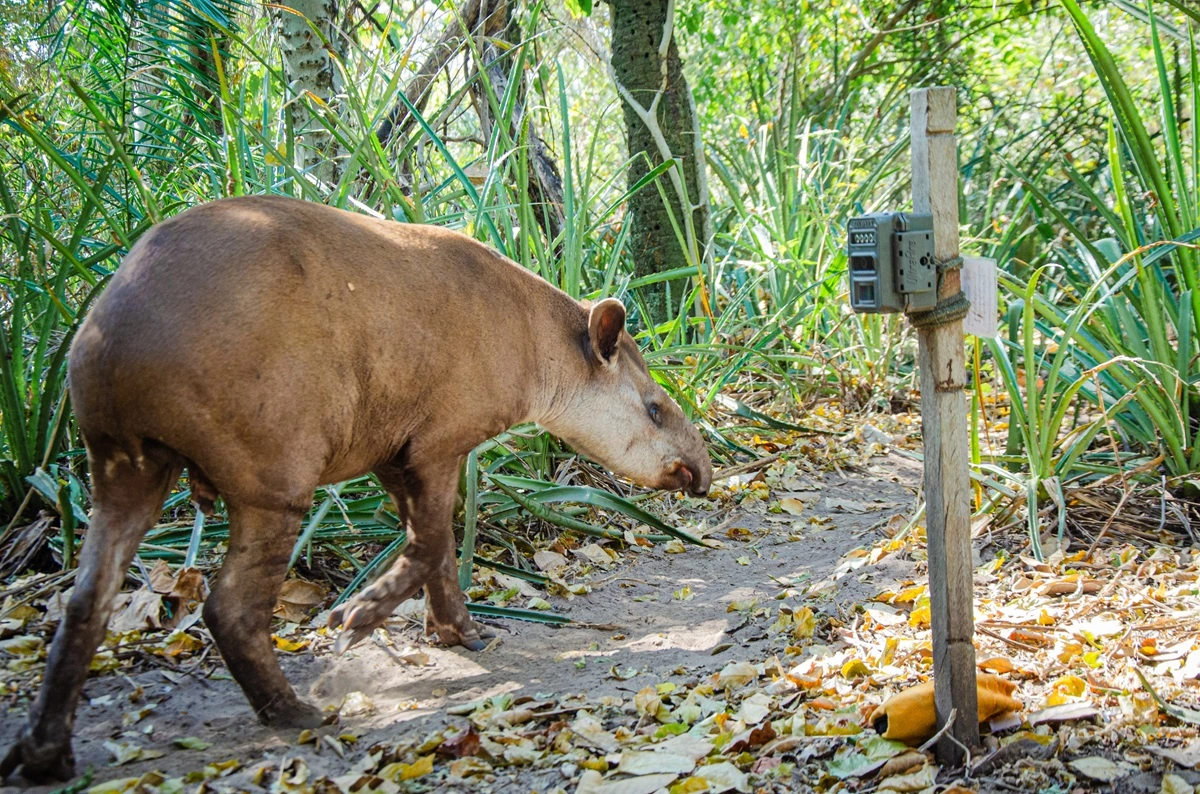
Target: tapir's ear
[[606, 320]]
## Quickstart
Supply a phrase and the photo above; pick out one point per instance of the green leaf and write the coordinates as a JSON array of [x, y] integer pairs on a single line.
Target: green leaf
[[579, 8]]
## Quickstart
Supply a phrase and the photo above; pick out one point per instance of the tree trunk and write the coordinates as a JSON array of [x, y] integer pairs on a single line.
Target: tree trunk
[[545, 187], [309, 67], [638, 27], [147, 80]]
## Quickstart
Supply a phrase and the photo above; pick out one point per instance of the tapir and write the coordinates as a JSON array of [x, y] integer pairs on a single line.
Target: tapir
[[268, 346]]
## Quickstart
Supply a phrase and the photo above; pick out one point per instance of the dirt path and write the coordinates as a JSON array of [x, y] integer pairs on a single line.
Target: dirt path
[[649, 624]]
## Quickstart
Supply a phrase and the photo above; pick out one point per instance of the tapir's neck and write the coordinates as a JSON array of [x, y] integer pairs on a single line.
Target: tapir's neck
[[556, 367]]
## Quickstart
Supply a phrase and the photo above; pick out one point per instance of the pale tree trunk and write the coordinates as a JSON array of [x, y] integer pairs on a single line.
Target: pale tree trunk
[[656, 92], [147, 79], [311, 72]]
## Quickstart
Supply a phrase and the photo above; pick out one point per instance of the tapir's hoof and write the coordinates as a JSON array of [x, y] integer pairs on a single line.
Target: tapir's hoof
[[473, 637], [39, 763], [295, 714], [357, 625]]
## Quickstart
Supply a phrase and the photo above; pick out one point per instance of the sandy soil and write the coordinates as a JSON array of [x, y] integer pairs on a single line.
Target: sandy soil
[[664, 637]]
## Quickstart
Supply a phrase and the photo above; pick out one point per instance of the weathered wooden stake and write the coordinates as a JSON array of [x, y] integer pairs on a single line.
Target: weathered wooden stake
[[944, 428]]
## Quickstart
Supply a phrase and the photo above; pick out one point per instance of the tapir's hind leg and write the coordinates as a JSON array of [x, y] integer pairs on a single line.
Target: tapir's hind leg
[[127, 497], [426, 495], [238, 611]]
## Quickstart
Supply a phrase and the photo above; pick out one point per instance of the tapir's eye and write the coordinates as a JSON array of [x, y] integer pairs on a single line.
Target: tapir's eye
[[655, 413]]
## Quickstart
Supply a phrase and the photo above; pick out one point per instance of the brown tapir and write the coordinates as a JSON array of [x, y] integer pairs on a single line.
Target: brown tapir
[[270, 346]]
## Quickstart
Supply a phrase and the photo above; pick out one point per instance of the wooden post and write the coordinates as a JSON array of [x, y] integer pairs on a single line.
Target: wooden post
[[944, 429]]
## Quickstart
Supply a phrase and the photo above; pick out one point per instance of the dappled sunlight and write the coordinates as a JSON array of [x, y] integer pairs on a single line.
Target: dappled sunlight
[[701, 637], [741, 594], [373, 670]]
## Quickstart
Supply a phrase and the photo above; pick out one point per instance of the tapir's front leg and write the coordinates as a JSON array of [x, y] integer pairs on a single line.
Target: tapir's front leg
[[426, 493]]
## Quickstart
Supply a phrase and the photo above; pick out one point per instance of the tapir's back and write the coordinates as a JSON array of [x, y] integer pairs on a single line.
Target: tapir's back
[[258, 258]]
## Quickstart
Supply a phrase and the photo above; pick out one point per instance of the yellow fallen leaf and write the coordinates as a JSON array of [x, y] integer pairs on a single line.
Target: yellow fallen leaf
[[289, 645], [920, 616], [1064, 689], [180, 643], [889, 652], [804, 623], [1069, 651], [418, 768], [689, 786], [909, 594], [115, 786], [855, 668]]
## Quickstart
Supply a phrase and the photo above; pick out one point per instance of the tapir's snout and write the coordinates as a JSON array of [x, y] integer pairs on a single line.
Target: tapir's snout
[[692, 476], [701, 478]]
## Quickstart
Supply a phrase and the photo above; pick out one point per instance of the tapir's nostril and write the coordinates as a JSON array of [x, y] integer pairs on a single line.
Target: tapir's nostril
[[698, 483]]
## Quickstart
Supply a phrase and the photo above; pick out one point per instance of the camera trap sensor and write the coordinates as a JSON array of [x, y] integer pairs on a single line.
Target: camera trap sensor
[[892, 268]]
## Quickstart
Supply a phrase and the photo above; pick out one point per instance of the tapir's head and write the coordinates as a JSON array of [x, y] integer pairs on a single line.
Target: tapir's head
[[617, 414]]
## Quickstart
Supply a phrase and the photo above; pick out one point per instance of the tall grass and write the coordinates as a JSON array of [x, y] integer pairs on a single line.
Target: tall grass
[[115, 145], [1100, 361], [82, 187]]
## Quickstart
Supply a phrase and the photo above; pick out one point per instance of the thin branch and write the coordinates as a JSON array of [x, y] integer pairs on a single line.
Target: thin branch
[[454, 35]]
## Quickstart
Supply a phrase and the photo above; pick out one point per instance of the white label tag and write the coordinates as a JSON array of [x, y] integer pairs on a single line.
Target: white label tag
[[979, 285]]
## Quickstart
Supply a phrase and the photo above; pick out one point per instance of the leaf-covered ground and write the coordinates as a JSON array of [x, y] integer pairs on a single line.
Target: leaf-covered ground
[[752, 665]]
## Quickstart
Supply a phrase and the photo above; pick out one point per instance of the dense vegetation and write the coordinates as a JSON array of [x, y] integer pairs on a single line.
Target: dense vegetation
[[1080, 171]]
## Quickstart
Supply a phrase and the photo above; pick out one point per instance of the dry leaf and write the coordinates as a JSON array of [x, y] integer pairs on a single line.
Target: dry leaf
[[1097, 767], [162, 581], [469, 767], [1066, 713], [923, 778], [549, 561], [140, 613], [595, 554], [592, 733], [592, 782], [189, 586], [737, 674], [644, 763], [463, 744], [297, 599], [1174, 784], [355, 703], [847, 505], [723, 777], [1187, 756], [791, 505], [902, 763], [997, 664], [1069, 586], [419, 768]]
